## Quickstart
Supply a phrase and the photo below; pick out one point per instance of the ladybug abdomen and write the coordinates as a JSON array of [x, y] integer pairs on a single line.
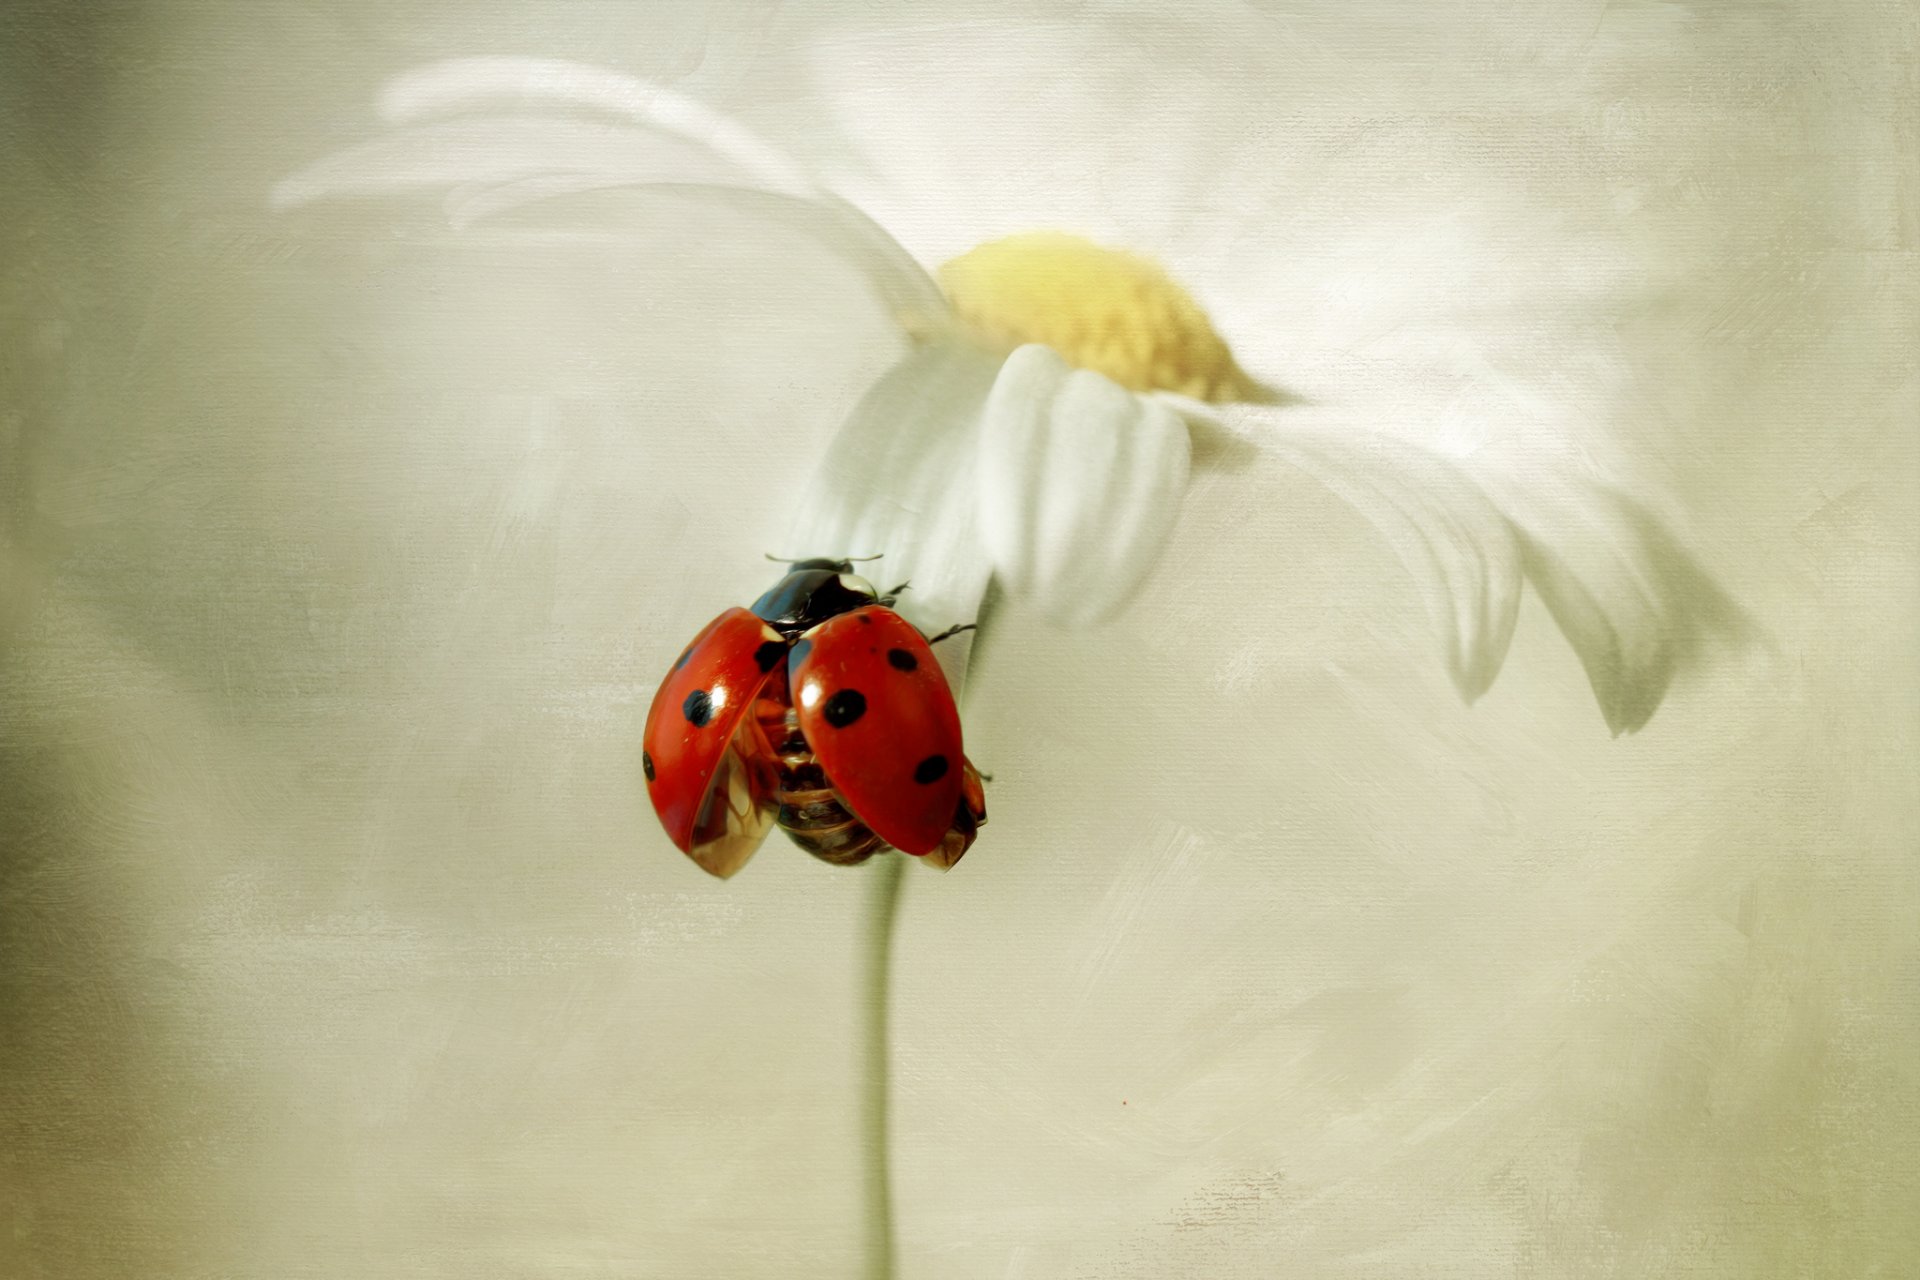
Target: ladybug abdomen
[[811, 812]]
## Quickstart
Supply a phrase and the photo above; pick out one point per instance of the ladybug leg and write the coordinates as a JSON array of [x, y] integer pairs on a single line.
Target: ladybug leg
[[953, 631], [887, 600]]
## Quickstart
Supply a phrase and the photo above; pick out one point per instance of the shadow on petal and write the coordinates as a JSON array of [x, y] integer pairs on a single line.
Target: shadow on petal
[[1217, 449], [1442, 527], [1080, 483], [1637, 606], [490, 166], [898, 481]]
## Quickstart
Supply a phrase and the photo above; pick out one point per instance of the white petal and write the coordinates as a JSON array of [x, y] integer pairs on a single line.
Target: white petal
[[1637, 606], [898, 482], [667, 144], [459, 85], [1460, 549], [495, 149], [1080, 483]]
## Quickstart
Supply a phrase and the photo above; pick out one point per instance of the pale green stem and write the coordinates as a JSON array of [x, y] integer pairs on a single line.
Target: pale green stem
[[876, 1101], [876, 1050]]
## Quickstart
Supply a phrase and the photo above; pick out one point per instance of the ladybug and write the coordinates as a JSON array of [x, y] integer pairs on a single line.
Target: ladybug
[[821, 710]]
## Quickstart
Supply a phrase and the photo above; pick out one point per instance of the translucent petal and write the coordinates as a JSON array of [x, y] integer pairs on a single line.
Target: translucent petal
[[1080, 482], [459, 85], [1636, 605], [489, 164], [497, 149], [1463, 555], [898, 482]]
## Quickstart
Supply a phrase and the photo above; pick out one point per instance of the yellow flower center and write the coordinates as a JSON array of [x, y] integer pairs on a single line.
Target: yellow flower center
[[1116, 313]]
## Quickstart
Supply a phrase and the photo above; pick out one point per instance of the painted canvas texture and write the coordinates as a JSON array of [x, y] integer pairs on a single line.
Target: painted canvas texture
[[1452, 794]]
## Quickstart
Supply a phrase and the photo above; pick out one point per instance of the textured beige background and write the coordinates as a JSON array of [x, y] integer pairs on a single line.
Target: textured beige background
[[336, 938]]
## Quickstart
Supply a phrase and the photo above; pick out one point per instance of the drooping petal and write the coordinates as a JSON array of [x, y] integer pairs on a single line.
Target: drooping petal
[[1635, 604], [898, 481], [658, 140], [458, 85], [1462, 553], [895, 278], [1080, 482], [486, 150]]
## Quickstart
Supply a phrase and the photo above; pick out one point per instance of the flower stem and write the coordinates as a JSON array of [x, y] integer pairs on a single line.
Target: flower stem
[[876, 1102], [876, 1050]]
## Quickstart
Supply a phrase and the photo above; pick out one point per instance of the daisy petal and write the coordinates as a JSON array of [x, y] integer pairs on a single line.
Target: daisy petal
[[895, 278], [1080, 482], [898, 482], [1461, 551], [1636, 606], [502, 149], [490, 164], [457, 85]]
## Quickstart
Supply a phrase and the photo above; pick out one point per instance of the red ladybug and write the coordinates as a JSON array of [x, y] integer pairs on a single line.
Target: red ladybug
[[823, 710]]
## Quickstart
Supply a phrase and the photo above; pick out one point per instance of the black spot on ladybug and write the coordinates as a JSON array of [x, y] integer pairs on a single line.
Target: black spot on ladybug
[[844, 707], [932, 769], [698, 708], [798, 654], [681, 661], [768, 655], [901, 660], [866, 619], [646, 765]]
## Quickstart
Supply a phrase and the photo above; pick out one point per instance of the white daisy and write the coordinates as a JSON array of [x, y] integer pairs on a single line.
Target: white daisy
[[1053, 396]]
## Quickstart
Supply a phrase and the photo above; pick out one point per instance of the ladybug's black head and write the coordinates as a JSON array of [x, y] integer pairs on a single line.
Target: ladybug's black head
[[812, 592]]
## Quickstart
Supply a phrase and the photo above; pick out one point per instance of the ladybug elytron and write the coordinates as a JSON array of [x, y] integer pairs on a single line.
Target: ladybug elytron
[[822, 710]]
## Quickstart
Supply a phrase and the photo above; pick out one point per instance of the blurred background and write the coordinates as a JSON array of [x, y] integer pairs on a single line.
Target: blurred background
[[342, 552]]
